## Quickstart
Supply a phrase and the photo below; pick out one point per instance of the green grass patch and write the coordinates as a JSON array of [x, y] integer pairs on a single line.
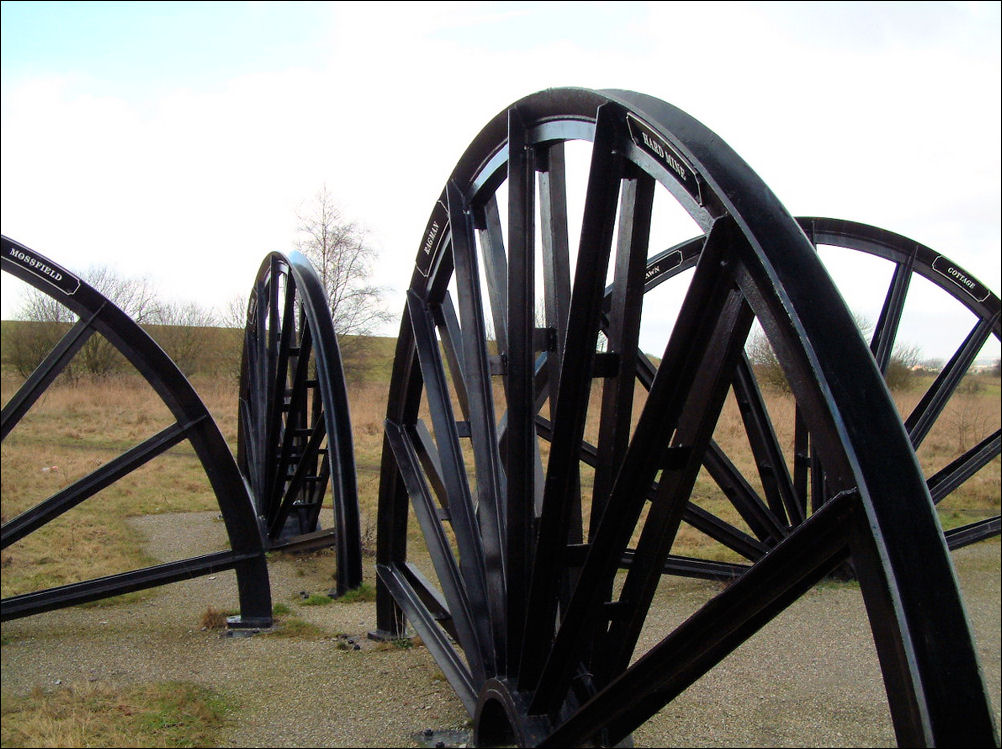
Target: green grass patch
[[293, 627], [169, 714], [317, 599], [364, 592]]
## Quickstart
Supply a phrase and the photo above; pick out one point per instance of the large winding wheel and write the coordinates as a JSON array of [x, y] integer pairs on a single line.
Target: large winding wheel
[[534, 469], [294, 427], [781, 499], [192, 423]]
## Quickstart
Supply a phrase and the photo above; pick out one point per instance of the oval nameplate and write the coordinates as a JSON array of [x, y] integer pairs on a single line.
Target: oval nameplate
[[961, 277]]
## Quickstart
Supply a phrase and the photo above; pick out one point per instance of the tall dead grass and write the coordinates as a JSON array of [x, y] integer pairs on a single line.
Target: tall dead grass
[[72, 430]]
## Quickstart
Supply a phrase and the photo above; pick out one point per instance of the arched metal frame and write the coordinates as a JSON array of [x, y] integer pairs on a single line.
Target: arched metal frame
[[524, 588], [787, 497], [192, 423], [911, 258], [294, 424]]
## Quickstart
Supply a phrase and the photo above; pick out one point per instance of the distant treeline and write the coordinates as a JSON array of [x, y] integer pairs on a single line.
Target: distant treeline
[[197, 350]]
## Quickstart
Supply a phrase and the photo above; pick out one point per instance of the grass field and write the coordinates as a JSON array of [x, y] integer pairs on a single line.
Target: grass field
[[80, 424]]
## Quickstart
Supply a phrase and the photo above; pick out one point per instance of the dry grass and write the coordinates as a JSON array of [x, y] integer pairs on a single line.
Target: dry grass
[[160, 715], [74, 429], [212, 618]]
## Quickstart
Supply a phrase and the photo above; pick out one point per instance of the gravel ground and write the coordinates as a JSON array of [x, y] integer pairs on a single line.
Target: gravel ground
[[810, 678]]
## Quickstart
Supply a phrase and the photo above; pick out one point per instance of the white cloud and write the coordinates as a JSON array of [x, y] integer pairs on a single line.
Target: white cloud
[[842, 113]]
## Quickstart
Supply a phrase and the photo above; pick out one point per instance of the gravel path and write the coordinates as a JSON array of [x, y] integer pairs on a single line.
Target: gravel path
[[810, 678]]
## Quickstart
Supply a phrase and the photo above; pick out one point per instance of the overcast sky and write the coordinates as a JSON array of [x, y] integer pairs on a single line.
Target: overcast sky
[[178, 141]]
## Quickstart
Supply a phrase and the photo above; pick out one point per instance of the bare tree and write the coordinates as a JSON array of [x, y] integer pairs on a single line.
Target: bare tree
[[339, 250], [181, 329], [233, 312], [49, 321]]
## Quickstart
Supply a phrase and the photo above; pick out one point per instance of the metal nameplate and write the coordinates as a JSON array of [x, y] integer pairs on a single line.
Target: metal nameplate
[[649, 141], [433, 236], [46, 270], [662, 266], [974, 288]]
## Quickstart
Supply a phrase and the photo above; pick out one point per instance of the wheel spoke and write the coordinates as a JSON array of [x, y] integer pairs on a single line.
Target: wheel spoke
[[445, 655], [749, 505], [949, 478], [452, 346], [461, 510], [973, 532], [126, 582], [555, 247], [305, 461], [459, 605], [886, 331], [719, 530], [495, 270], [290, 437], [920, 421], [709, 295], [480, 413], [92, 483], [714, 631], [47, 371], [772, 470], [278, 386], [520, 432], [573, 392], [623, 334], [682, 463]]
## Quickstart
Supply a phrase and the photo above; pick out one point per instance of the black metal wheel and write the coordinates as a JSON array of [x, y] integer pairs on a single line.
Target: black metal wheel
[[545, 472], [294, 425], [906, 260], [192, 423]]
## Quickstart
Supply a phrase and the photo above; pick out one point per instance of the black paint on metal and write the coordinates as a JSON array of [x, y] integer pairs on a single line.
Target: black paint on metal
[[192, 423], [561, 667], [294, 427]]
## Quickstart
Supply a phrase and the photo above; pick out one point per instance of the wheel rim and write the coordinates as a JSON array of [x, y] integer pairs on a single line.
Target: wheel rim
[[294, 430], [524, 588], [192, 422]]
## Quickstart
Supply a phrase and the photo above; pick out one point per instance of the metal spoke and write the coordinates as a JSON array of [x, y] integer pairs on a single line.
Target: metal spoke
[[148, 577], [772, 470], [459, 604], [452, 666], [886, 331], [648, 452], [92, 483], [749, 505], [520, 434], [623, 334], [920, 421], [461, 510], [495, 270], [958, 471], [573, 392], [480, 412], [47, 371], [714, 631]]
